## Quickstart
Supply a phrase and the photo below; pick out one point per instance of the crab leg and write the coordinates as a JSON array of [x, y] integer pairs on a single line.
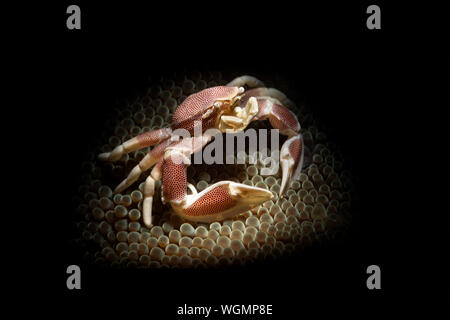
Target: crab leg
[[292, 151], [245, 80], [147, 139], [259, 90], [146, 163], [273, 93], [219, 201], [149, 191], [291, 158]]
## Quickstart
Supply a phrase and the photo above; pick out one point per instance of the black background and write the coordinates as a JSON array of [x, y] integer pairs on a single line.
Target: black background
[[373, 90]]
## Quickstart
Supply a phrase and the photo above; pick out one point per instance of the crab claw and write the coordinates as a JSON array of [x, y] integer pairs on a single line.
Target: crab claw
[[220, 201], [291, 158]]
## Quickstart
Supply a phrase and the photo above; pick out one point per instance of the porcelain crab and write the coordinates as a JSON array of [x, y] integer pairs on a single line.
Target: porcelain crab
[[227, 108]]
